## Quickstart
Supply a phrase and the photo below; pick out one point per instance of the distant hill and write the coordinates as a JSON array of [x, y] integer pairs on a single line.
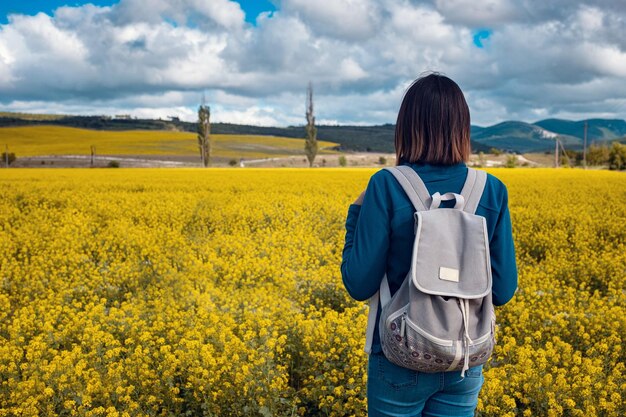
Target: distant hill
[[520, 137], [511, 136], [597, 130], [350, 138], [30, 116]]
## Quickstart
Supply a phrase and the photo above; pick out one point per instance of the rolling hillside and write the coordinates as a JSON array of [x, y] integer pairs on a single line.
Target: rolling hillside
[[598, 129], [60, 140], [511, 136], [524, 137], [520, 137], [347, 138]]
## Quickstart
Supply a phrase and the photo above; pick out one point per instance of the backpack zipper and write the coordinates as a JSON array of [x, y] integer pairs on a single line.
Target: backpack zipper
[[403, 326], [395, 315]]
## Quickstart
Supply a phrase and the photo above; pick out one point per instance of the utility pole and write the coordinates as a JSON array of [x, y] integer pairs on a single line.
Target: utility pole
[[93, 153], [556, 152], [585, 147], [565, 153], [6, 155]]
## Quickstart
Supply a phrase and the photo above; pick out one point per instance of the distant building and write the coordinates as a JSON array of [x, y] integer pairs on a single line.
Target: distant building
[[122, 116], [174, 118]]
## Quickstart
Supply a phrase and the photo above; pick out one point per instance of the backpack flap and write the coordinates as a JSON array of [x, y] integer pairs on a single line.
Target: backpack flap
[[451, 254]]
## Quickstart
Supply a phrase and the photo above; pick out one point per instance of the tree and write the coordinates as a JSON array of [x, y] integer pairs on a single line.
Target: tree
[[7, 158], [481, 159], [597, 155], [204, 133], [310, 144], [617, 156], [511, 161]]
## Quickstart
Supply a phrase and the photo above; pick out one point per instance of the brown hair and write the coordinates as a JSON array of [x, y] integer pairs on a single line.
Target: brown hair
[[433, 123]]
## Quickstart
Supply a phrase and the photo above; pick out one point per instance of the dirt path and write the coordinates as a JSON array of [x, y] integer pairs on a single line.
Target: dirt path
[[171, 161], [356, 159], [84, 161]]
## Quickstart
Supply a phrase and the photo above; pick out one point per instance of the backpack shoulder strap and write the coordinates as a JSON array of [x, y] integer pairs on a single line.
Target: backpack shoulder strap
[[384, 296], [473, 189], [412, 185]]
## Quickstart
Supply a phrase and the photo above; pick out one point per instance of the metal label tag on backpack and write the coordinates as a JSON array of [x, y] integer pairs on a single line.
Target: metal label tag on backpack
[[448, 274]]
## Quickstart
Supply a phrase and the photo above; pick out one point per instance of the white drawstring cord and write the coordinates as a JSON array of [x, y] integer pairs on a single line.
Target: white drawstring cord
[[464, 305]]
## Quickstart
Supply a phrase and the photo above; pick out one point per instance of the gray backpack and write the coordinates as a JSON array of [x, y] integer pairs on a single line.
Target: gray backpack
[[442, 317]]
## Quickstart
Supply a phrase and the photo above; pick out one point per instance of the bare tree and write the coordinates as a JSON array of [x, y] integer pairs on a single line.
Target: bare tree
[[204, 132], [93, 155], [310, 144]]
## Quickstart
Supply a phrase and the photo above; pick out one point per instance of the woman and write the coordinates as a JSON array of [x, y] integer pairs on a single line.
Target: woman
[[433, 137]]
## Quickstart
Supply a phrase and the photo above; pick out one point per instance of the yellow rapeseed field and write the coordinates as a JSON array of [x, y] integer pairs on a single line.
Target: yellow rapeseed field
[[217, 292], [59, 140]]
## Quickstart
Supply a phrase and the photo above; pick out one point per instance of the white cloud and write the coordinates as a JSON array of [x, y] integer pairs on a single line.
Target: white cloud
[[479, 13], [351, 70], [355, 20], [259, 116], [606, 60], [158, 56], [211, 14]]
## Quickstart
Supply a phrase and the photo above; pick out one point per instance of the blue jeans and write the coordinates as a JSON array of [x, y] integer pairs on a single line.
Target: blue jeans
[[394, 391]]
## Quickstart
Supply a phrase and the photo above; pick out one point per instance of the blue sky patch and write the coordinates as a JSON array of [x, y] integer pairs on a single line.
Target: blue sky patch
[[480, 36], [32, 7], [252, 8]]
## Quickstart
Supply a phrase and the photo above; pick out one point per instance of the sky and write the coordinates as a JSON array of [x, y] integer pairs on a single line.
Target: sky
[[252, 59]]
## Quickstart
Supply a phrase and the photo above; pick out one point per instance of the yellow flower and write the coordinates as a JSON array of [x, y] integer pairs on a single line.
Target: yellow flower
[[219, 290]]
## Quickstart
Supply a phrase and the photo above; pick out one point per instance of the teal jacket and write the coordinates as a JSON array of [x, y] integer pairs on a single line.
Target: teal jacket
[[379, 233]]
